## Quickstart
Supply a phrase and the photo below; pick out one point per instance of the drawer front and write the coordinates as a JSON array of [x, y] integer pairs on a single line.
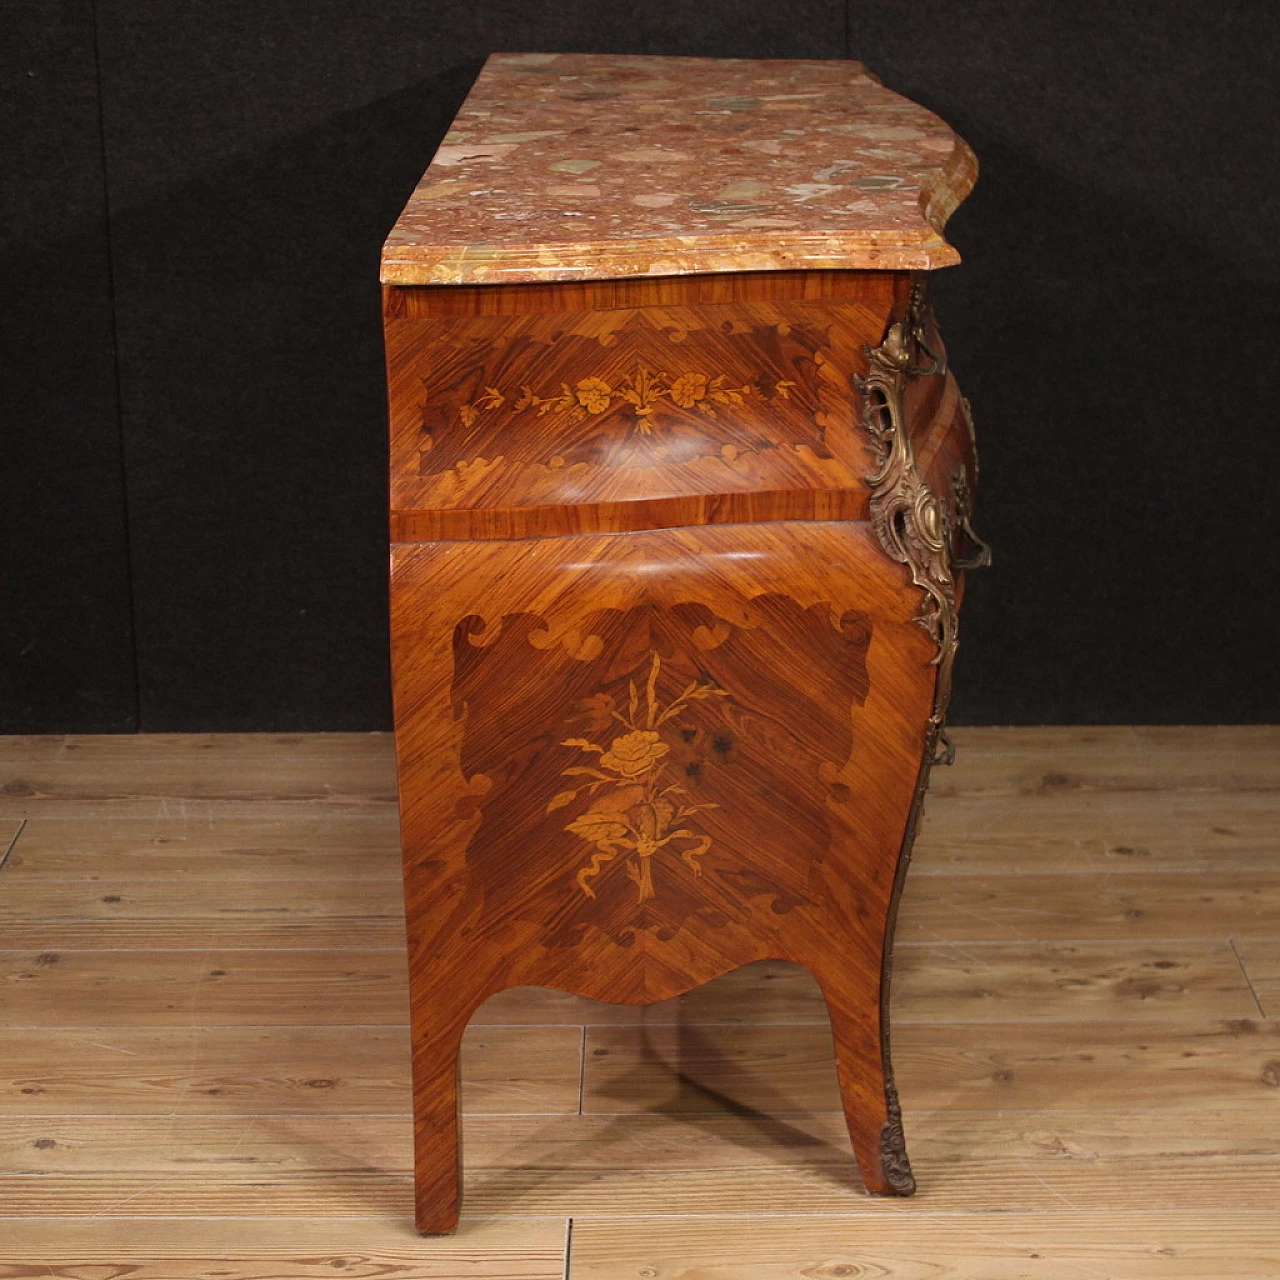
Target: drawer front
[[632, 418]]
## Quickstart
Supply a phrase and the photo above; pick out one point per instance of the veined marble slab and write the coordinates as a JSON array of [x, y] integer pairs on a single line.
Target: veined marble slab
[[593, 166]]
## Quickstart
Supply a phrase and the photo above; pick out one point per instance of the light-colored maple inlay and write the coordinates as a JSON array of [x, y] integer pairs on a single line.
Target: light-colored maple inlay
[[635, 810], [591, 166]]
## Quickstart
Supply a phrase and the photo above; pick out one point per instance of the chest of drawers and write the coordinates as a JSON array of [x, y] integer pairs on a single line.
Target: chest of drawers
[[680, 504]]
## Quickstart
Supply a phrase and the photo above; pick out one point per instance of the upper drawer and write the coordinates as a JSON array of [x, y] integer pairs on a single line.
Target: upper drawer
[[633, 417]]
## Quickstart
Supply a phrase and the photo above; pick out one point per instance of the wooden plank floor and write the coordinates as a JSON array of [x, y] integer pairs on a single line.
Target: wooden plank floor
[[205, 1056]]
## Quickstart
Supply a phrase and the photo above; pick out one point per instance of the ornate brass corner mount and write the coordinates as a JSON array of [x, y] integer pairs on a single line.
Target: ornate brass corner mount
[[976, 554], [917, 304], [913, 524]]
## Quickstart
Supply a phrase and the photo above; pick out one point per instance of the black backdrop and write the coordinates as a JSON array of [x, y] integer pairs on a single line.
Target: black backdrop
[[193, 412]]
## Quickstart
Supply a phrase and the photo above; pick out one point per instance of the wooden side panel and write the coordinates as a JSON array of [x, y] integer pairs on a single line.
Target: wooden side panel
[[630, 764], [577, 421]]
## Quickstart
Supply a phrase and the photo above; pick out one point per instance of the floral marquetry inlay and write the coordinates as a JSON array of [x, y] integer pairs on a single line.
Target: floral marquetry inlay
[[640, 767], [643, 389], [649, 391], [636, 408], [636, 810]]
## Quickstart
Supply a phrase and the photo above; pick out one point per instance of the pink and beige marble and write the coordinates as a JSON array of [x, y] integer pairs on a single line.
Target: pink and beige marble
[[590, 166]]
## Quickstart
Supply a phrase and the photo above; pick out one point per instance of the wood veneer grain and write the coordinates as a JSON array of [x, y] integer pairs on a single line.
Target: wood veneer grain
[[761, 692]]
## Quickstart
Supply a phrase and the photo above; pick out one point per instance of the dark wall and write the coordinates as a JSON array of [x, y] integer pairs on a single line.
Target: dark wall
[[66, 631], [1114, 324]]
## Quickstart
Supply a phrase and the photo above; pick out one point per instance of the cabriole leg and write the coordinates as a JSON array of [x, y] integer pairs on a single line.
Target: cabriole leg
[[867, 1091]]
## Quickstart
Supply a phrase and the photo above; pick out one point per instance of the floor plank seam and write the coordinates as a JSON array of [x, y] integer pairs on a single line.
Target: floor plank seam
[[8, 849], [1117, 1020], [56, 1117], [1235, 951], [904, 945]]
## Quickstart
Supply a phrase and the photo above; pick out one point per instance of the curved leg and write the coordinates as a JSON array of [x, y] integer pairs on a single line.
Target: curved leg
[[867, 1091]]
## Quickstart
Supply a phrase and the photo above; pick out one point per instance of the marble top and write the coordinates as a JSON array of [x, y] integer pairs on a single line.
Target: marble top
[[593, 166]]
